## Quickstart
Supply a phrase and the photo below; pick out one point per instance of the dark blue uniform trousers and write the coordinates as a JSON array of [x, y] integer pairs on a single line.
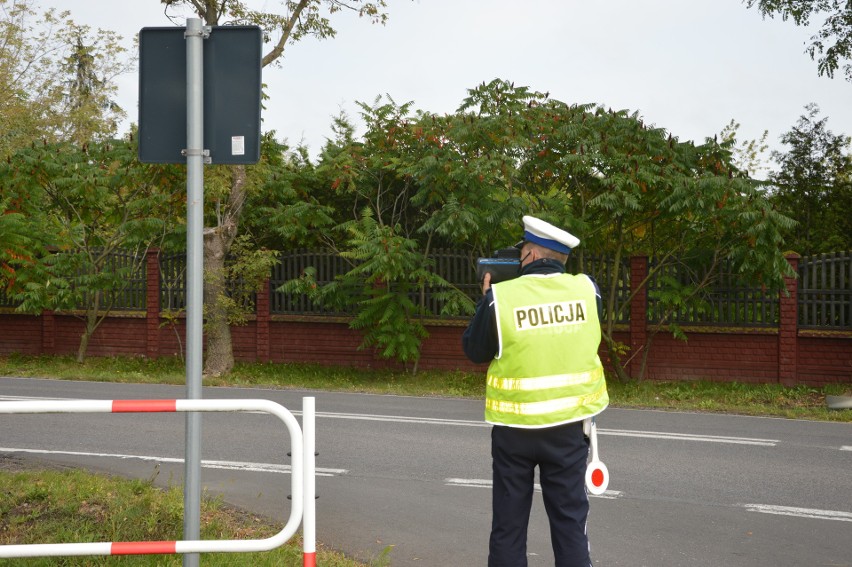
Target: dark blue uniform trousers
[[560, 453]]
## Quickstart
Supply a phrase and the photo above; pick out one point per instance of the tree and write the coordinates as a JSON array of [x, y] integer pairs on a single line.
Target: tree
[[37, 52], [631, 189], [299, 19], [832, 44], [25, 70], [18, 246], [369, 209], [813, 185], [748, 156], [84, 101], [87, 204], [70, 191], [624, 187]]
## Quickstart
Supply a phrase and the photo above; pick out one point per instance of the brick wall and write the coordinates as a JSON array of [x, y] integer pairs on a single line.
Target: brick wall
[[824, 359], [21, 334], [715, 356], [744, 357]]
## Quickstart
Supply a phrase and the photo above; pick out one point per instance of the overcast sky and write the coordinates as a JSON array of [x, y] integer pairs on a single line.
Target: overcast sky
[[689, 66]]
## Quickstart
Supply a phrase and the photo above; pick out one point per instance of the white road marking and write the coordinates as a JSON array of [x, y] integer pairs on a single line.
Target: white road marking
[[402, 419], [690, 437], [613, 432], [224, 465], [484, 483], [28, 398], [800, 512], [762, 508], [477, 423], [846, 448]]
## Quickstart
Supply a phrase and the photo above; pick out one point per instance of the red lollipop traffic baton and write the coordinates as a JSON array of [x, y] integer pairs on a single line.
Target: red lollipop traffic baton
[[597, 475]]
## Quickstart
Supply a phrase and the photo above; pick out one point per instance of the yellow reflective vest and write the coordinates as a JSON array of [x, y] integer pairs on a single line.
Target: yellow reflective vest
[[547, 371]]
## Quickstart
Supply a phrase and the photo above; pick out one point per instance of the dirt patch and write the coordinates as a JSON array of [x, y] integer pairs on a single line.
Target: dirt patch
[[15, 463]]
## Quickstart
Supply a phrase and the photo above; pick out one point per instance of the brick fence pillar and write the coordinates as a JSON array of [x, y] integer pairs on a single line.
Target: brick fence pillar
[[152, 304], [262, 323], [48, 332], [788, 326], [638, 313]]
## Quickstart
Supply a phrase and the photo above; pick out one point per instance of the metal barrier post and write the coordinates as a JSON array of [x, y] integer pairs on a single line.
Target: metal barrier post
[[298, 477], [309, 535]]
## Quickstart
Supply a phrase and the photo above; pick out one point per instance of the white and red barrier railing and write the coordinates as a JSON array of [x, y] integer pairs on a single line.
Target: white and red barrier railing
[[303, 486]]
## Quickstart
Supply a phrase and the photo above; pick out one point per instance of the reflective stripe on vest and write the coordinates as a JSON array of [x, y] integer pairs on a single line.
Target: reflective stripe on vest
[[545, 382], [544, 407]]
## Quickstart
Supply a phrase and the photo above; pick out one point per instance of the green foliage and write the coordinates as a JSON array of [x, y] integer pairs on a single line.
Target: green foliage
[[246, 271], [82, 204], [90, 201], [387, 274], [56, 77], [26, 71], [300, 18], [832, 44], [17, 245], [287, 212], [623, 186], [389, 269], [749, 156], [813, 185]]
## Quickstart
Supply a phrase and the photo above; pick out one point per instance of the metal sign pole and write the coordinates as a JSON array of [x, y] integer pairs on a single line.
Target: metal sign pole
[[233, 137], [195, 276]]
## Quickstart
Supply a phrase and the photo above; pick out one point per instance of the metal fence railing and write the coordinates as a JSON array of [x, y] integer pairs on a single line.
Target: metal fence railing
[[327, 267], [603, 270], [824, 295], [130, 296], [173, 282], [120, 266], [5, 300], [724, 299], [825, 291], [173, 285]]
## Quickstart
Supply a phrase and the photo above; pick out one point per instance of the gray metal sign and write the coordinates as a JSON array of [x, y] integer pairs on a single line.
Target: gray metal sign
[[232, 84]]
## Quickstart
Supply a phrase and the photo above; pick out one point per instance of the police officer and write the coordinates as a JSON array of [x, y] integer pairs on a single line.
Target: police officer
[[541, 334]]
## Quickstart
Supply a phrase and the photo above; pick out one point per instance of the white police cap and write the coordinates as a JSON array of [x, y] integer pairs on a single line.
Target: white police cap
[[545, 234]]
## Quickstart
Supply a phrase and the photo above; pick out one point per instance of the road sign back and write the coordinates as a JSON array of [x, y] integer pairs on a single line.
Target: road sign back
[[232, 85]]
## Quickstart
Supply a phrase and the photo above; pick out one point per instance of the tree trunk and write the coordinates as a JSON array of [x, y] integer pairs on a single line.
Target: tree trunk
[[608, 321], [615, 359], [83, 347], [217, 244], [220, 356], [90, 325]]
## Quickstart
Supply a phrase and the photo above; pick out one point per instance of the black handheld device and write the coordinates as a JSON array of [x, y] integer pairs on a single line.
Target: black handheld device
[[504, 265]]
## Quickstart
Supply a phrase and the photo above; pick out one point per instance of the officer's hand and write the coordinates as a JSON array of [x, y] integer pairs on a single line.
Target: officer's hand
[[486, 283]]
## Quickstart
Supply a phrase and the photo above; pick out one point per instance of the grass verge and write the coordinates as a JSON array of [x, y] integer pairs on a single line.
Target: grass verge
[[772, 400], [44, 505]]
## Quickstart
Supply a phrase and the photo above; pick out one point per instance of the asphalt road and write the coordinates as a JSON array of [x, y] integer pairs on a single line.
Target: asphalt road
[[412, 475]]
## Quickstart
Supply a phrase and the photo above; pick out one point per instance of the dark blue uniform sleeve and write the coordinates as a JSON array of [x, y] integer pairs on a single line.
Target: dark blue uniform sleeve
[[598, 298], [479, 340]]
